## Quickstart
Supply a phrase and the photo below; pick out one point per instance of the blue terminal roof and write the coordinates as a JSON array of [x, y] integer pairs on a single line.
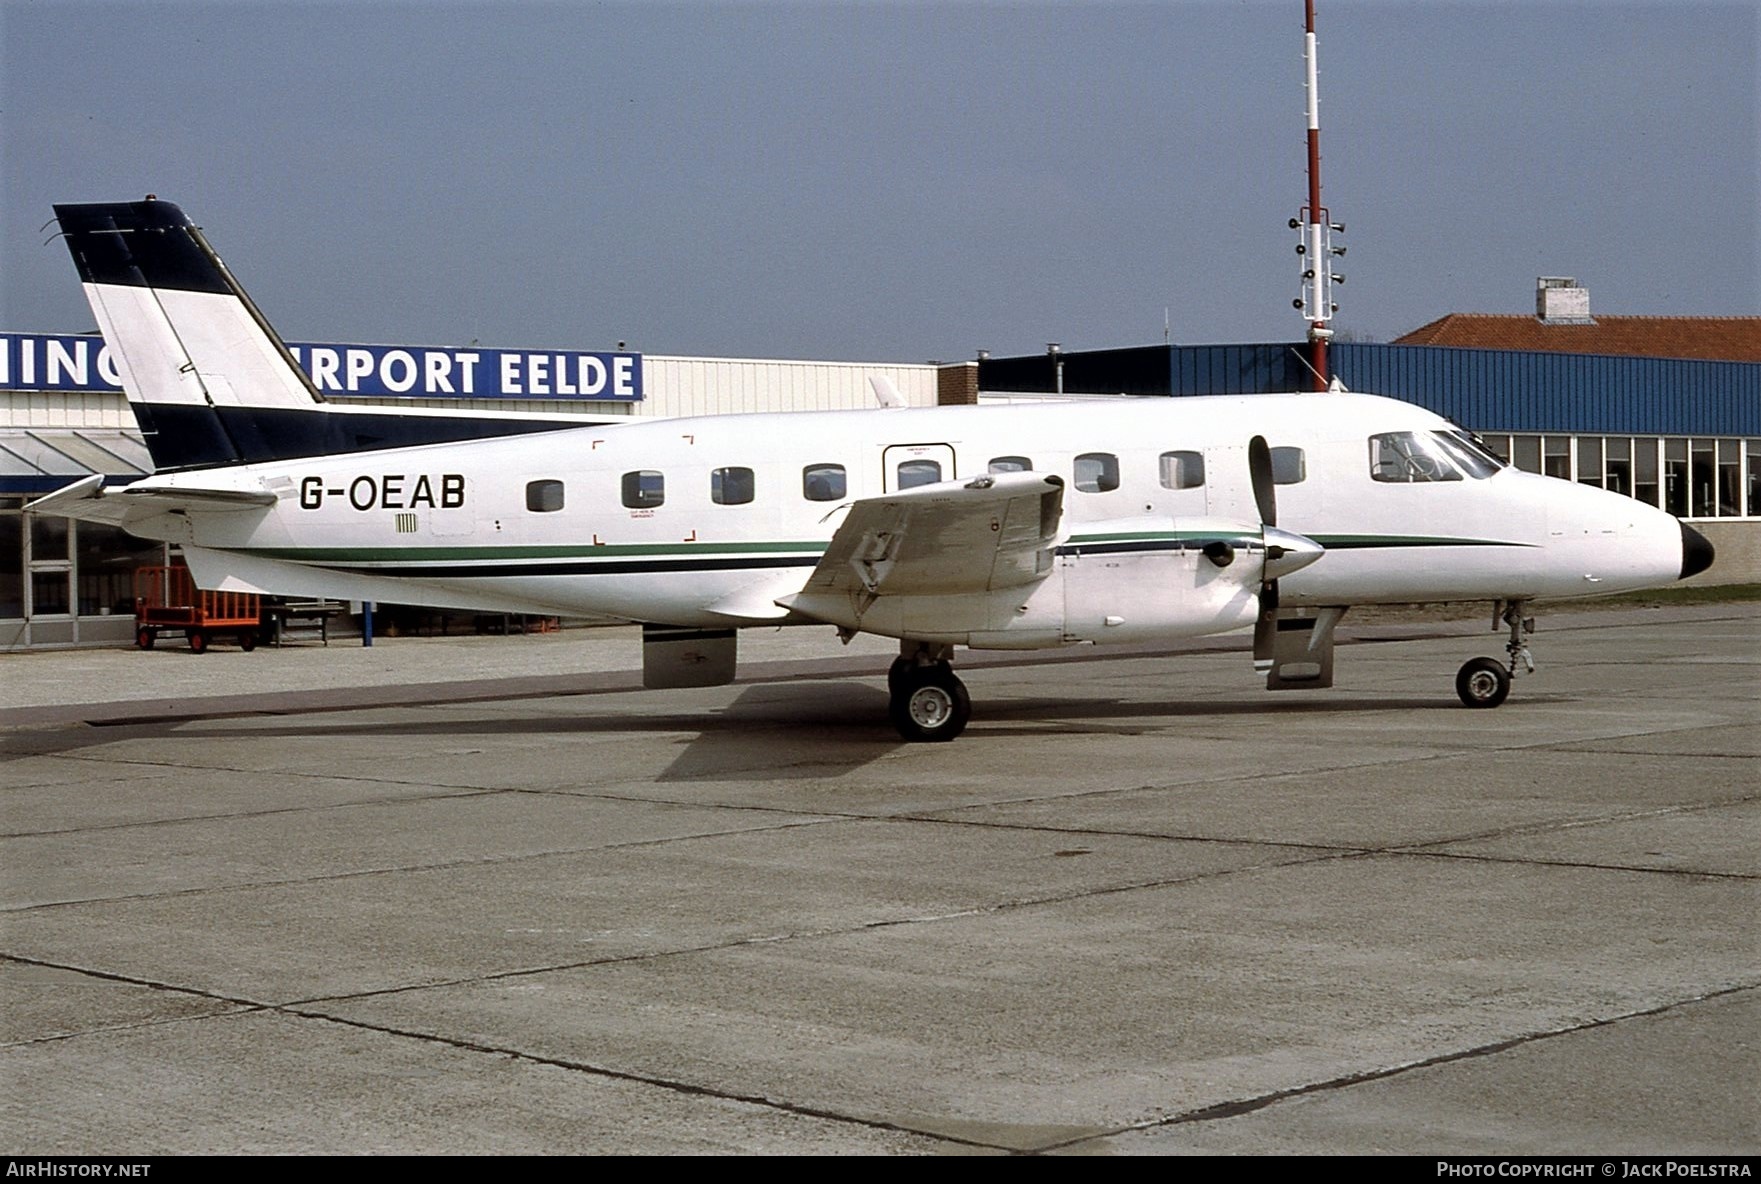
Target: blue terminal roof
[[1483, 389]]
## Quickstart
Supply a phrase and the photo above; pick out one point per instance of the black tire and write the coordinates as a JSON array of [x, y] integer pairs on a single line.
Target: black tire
[[897, 674], [1482, 682], [198, 641], [144, 638], [247, 641], [931, 705]]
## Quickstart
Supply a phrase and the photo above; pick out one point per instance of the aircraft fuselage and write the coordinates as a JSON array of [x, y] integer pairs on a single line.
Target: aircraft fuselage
[[704, 521]]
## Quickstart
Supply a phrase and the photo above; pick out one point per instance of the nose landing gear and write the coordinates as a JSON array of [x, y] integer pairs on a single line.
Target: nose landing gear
[[1485, 682]]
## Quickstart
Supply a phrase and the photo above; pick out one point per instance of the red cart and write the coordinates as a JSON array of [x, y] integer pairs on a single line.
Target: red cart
[[166, 598]]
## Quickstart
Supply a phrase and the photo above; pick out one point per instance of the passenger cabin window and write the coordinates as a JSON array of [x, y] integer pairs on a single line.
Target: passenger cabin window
[[918, 472], [1288, 466], [1097, 472], [822, 483], [732, 486], [1182, 470], [644, 489], [1010, 464], [544, 497]]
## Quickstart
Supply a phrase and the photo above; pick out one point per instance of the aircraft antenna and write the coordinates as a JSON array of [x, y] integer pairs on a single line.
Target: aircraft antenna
[[1315, 250]]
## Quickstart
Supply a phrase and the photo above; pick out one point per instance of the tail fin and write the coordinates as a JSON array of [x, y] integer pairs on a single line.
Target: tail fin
[[208, 378], [203, 370]]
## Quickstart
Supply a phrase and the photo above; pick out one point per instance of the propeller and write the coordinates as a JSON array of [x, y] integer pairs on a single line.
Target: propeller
[[1286, 552], [1259, 467], [1265, 496]]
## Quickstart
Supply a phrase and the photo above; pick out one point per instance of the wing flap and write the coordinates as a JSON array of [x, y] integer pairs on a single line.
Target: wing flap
[[950, 538]]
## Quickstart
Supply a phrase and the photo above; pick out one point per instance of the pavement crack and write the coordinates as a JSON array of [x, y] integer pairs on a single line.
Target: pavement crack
[[400, 869], [1681, 873], [441, 794], [870, 926], [671, 1084], [1241, 1106]]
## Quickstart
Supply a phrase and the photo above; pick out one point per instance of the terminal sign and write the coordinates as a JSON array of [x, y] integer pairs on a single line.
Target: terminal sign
[[70, 362]]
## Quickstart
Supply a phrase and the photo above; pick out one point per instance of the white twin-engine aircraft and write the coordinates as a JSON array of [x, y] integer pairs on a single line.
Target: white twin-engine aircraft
[[1019, 526]]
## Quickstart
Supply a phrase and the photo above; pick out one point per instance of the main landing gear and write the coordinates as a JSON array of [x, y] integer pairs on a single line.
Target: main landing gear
[[1485, 682], [925, 699]]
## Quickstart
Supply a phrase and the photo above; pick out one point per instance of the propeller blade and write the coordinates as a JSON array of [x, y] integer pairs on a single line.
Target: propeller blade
[[1259, 467], [1265, 627]]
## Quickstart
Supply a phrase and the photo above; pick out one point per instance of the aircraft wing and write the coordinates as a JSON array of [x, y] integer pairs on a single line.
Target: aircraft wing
[[953, 537], [87, 499]]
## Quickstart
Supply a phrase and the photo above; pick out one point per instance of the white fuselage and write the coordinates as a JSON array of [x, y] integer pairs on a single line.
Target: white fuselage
[[472, 525]]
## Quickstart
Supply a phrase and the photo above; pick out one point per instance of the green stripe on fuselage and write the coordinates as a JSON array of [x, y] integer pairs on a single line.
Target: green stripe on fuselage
[[1349, 542], [569, 551], [612, 551]]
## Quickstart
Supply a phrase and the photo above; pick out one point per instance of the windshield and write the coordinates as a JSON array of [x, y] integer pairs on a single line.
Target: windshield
[[1411, 457], [1475, 448]]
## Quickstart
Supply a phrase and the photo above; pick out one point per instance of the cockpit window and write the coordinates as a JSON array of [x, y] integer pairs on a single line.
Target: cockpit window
[[1412, 457], [1478, 460]]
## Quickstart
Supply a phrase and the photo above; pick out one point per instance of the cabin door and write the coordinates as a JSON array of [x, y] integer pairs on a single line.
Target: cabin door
[[907, 465]]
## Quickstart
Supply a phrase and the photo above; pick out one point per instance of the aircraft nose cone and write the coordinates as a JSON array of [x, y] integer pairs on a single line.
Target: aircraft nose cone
[[1697, 553]]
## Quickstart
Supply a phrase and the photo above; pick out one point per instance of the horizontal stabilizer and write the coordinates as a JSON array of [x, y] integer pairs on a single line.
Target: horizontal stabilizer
[[88, 500]]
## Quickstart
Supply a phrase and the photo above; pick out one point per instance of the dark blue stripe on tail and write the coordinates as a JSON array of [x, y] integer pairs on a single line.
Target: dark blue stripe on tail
[[143, 244], [185, 437]]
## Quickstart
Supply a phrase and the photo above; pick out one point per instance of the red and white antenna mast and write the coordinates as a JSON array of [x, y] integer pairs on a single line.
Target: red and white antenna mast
[[1316, 250]]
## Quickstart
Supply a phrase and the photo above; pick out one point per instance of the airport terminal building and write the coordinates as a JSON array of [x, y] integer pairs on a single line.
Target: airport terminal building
[[1663, 409]]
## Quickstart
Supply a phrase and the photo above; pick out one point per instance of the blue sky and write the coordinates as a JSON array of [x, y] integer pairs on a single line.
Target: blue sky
[[897, 182]]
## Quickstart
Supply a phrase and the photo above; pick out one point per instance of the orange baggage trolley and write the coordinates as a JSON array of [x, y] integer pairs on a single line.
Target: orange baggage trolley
[[167, 599]]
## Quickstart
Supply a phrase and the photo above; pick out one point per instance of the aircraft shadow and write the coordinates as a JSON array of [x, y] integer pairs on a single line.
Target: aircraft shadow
[[801, 729]]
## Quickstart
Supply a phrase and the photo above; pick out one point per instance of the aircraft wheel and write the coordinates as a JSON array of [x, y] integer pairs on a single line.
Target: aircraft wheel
[[144, 638], [901, 670], [247, 641], [198, 641], [897, 673], [1482, 682], [930, 705]]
